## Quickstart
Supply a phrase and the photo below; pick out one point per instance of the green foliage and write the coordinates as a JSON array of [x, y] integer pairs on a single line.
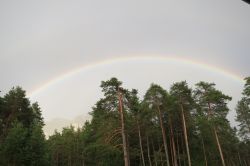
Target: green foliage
[[212, 102], [243, 112], [22, 139], [14, 149], [212, 106], [246, 91], [99, 141]]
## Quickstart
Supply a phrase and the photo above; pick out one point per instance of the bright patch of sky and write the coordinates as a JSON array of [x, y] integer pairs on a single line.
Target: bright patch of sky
[[43, 39]]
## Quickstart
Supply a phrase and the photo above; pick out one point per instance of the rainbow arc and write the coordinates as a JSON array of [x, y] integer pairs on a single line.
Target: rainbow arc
[[80, 69]]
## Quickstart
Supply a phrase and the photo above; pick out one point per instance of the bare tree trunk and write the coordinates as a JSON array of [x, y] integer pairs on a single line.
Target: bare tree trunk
[[245, 162], [140, 141], [163, 135], [178, 150], [185, 134], [162, 163], [216, 136], [239, 158], [183, 149], [171, 149], [204, 151], [173, 143], [155, 161], [124, 139], [128, 148], [149, 158], [219, 147]]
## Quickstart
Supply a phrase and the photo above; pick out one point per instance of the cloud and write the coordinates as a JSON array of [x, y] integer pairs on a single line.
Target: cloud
[[59, 123]]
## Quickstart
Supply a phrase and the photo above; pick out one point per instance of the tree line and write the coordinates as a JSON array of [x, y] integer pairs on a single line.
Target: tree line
[[176, 127]]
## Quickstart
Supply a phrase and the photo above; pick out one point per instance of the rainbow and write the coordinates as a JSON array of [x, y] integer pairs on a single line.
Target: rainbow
[[111, 61]]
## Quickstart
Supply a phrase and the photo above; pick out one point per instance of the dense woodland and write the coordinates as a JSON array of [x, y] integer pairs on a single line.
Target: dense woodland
[[176, 127]]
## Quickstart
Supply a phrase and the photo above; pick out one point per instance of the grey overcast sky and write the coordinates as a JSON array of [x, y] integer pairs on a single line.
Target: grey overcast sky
[[40, 40]]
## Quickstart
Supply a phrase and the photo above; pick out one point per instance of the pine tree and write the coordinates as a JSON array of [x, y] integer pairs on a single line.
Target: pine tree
[[243, 112], [22, 139], [183, 97], [214, 105], [156, 98], [137, 113], [112, 88]]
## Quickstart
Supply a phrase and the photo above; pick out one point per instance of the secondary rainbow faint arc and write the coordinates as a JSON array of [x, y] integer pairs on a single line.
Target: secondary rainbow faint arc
[[80, 69]]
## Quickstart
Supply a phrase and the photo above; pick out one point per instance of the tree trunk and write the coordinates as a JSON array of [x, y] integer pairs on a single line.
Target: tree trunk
[[163, 136], [140, 142], [149, 158], [204, 151], [124, 139], [171, 150], [239, 158], [245, 162], [185, 134], [216, 136], [173, 143], [162, 163], [178, 150], [219, 147], [155, 161], [183, 150]]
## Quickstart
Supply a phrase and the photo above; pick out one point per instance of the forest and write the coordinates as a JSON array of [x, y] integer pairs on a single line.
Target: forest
[[181, 126]]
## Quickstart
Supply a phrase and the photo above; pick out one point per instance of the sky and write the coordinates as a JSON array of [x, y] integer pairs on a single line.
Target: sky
[[192, 40]]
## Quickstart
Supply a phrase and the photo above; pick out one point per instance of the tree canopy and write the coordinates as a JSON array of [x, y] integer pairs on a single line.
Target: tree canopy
[[176, 127]]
